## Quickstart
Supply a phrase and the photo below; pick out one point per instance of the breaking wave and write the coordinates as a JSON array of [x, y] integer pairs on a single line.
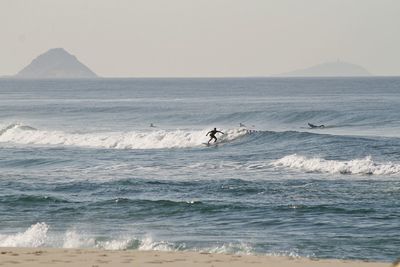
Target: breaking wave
[[20, 134], [34, 236], [38, 235], [365, 166]]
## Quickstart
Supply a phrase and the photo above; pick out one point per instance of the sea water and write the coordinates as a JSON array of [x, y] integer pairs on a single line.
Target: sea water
[[81, 168]]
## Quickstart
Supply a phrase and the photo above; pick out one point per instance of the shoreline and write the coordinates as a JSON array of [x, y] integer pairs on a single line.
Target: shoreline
[[59, 257]]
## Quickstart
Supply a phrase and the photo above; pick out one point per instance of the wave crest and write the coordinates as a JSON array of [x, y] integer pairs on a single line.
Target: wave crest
[[20, 134], [365, 166]]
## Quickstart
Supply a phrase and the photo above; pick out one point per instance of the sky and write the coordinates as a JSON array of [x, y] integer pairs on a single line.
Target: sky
[[202, 38]]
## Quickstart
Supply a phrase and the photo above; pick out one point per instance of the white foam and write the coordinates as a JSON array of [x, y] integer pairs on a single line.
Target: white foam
[[27, 135], [34, 236], [37, 235], [147, 243], [357, 166], [115, 244], [231, 248], [290, 254], [73, 239]]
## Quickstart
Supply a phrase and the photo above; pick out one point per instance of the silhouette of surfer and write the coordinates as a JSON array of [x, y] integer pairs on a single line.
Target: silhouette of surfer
[[152, 125], [242, 125], [316, 126], [212, 134]]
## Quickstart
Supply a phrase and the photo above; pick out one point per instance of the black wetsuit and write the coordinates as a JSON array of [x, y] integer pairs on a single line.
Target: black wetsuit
[[212, 134]]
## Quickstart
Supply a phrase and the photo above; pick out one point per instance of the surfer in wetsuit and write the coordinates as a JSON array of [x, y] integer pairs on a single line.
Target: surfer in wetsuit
[[212, 134]]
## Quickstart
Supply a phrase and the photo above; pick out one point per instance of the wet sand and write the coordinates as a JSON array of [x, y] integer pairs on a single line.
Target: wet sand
[[34, 257]]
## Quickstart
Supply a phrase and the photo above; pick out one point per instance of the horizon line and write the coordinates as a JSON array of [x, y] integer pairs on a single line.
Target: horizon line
[[12, 77]]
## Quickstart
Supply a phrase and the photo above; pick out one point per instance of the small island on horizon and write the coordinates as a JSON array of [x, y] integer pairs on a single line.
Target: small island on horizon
[[56, 63], [330, 69]]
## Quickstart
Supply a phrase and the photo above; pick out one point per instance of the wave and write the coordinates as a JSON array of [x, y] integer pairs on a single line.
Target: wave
[[34, 236], [147, 204], [231, 248], [365, 166], [20, 134], [32, 200], [38, 235], [76, 239], [162, 208], [14, 126], [301, 116], [160, 139]]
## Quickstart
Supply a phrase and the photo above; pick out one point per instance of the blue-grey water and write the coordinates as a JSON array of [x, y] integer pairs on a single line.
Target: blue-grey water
[[80, 166]]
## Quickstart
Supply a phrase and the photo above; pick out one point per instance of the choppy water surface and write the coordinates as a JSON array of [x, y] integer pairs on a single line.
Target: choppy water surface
[[80, 166]]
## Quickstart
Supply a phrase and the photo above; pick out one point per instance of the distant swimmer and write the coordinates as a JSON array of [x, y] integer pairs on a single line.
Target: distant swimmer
[[152, 125], [212, 134], [316, 126], [242, 125]]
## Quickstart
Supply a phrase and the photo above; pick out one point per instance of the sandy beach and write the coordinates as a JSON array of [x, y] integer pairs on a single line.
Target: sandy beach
[[96, 258]]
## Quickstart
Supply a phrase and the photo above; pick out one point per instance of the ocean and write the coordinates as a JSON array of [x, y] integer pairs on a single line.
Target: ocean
[[80, 166]]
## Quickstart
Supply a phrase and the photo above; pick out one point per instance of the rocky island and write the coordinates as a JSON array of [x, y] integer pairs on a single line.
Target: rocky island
[[56, 63]]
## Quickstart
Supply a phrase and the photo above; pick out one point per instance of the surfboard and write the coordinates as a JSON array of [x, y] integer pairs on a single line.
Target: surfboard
[[210, 144]]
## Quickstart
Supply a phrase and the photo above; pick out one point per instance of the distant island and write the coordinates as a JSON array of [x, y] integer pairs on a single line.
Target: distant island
[[56, 63], [330, 69]]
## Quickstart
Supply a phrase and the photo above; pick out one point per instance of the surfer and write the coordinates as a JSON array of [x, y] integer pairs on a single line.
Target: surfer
[[316, 126], [152, 125], [212, 134], [242, 125]]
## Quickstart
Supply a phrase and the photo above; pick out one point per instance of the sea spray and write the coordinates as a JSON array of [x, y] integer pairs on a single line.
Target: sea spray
[[73, 239], [34, 236]]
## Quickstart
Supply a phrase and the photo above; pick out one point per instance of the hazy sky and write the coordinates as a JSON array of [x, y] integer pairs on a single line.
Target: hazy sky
[[129, 38]]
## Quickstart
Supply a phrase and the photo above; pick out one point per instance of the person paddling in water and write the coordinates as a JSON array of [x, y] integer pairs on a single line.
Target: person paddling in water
[[212, 134], [312, 126]]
